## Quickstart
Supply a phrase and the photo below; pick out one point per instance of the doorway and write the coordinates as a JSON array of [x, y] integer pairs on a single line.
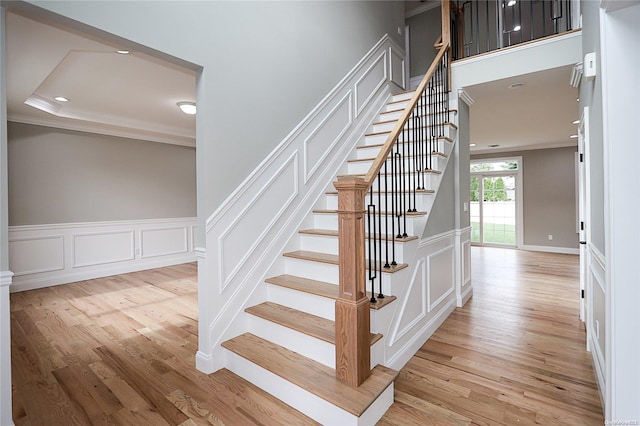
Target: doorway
[[495, 202]]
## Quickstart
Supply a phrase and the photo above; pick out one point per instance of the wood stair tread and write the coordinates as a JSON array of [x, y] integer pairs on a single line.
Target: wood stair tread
[[312, 325], [320, 288], [380, 145], [310, 375], [334, 233], [361, 160], [333, 259], [418, 191], [330, 211], [446, 123]]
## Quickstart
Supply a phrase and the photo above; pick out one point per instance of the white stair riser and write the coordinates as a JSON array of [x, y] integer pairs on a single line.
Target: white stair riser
[[311, 347], [402, 96], [362, 167], [392, 106], [306, 302], [328, 272], [330, 221], [379, 137], [439, 145], [325, 244], [422, 201], [300, 399]]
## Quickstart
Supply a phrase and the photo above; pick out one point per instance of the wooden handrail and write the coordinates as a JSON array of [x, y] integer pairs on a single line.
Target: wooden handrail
[[388, 144]]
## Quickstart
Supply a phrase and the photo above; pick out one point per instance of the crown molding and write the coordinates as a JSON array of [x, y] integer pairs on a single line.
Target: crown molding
[[426, 6]]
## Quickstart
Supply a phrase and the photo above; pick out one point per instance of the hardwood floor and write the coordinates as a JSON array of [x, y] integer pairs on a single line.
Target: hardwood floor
[[514, 354], [120, 350]]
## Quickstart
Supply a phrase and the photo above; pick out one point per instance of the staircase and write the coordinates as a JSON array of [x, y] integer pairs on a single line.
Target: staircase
[[289, 349]]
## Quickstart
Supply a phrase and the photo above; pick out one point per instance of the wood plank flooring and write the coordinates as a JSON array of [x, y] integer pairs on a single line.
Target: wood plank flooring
[[513, 355], [120, 350]]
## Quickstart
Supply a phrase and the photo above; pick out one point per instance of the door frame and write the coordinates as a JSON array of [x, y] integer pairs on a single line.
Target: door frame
[[519, 194]]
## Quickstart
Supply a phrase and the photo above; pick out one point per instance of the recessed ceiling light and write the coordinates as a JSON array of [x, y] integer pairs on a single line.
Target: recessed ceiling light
[[516, 85], [578, 100], [123, 51], [575, 122], [61, 99], [495, 145], [573, 136], [188, 108], [511, 3], [517, 28], [472, 144]]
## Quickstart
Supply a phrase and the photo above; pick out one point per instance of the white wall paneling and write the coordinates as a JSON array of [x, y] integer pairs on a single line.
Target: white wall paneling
[[246, 235], [397, 66], [426, 302], [463, 266], [46, 255], [596, 318]]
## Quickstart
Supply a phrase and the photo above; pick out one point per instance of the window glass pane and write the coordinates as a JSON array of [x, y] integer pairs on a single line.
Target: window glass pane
[[494, 166]]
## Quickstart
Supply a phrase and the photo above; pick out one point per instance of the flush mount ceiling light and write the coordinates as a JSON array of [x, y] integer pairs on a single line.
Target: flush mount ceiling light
[[515, 85], [188, 108], [573, 136], [123, 51], [575, 122], [517, 28], [61, 99], [511, 3], [472, 144]]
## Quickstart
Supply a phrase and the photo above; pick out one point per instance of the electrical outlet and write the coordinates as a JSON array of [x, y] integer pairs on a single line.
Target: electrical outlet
[[550, 237]]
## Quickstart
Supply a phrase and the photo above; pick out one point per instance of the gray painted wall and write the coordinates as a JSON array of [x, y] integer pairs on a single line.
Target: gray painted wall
[[62, 176], [549, 195], [266, 65], [442, 217], [424, 29], [591, 96], [464, 138]]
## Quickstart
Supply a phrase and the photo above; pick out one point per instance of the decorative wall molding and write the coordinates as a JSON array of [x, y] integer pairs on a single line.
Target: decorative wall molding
[[426, 302], [397, 64], [240, 252], [424, 7], [466, 97], [47, 255], [550, 249], [463, 266]]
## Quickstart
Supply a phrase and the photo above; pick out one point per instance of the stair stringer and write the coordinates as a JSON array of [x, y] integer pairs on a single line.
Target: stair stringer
[[273, 202]]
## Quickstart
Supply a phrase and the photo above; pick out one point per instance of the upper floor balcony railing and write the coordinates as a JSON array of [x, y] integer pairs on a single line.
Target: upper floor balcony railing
[[480, 26]]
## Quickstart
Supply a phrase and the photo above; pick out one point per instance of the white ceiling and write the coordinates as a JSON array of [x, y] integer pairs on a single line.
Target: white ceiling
[[132, 95], [539, 114]]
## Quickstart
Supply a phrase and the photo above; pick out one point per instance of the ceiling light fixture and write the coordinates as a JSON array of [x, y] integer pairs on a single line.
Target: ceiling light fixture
[[575, 122], [123, 51], [188, 108], [472, 144], [573, 136], [517, 28], [61, 99], [511, 3]]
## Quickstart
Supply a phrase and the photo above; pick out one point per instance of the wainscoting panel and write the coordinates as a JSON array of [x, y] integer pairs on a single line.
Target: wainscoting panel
[[440, 272], [47, 255], [396, 67], [247, 234], [419, 312], [164, 241], [101, 248], [35, 255], [372, 80], [326, 135], [596, 317]]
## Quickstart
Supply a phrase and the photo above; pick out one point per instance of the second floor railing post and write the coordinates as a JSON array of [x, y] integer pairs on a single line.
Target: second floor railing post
[[353, 353]]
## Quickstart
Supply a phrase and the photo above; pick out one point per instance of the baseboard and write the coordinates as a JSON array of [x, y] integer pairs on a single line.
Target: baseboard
[[47, 255], [550, 249]]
